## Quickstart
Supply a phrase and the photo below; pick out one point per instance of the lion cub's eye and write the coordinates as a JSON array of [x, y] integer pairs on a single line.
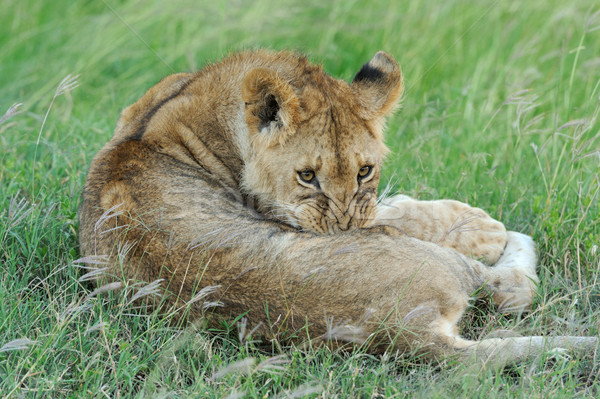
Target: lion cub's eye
[[364, 172], [307, 175]]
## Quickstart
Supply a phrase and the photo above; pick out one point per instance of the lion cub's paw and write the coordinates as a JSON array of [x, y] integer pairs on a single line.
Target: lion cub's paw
[[515, 277], [471, 231]]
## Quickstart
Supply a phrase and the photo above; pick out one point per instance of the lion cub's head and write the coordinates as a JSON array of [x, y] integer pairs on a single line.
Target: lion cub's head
[[316, 144]]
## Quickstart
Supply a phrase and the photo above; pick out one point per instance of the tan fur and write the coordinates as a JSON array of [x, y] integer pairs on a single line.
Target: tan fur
[[200, 183], [448, 223]]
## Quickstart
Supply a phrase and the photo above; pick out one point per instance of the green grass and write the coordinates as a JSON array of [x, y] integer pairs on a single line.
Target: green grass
[[467, 130]]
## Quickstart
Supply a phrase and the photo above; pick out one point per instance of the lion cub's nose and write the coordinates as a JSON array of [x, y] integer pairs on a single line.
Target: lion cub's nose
[[344, 224]]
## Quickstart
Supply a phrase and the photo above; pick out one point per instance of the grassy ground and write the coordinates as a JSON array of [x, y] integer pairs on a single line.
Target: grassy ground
[[501, 110]]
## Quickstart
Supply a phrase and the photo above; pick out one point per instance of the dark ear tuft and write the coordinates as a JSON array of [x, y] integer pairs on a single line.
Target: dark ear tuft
[[378, 86], [367, 72]]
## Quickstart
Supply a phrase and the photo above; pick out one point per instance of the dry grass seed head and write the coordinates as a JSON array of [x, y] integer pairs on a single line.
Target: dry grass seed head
[[152, 288], [12, 111], [17, 344]]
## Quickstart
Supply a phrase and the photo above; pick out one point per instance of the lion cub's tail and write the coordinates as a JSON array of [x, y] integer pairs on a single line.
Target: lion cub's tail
[[512, 281]]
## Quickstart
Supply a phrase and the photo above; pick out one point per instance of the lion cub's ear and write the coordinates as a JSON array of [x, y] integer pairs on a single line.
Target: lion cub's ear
[[378, 86], [271, 106]]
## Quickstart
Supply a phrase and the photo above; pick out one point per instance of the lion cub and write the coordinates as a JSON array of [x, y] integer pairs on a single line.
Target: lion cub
[[254, 183]]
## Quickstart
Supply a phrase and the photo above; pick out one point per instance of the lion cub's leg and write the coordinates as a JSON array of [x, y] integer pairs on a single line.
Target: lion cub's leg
[[500, 351], [448, 223], [512, 282]]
